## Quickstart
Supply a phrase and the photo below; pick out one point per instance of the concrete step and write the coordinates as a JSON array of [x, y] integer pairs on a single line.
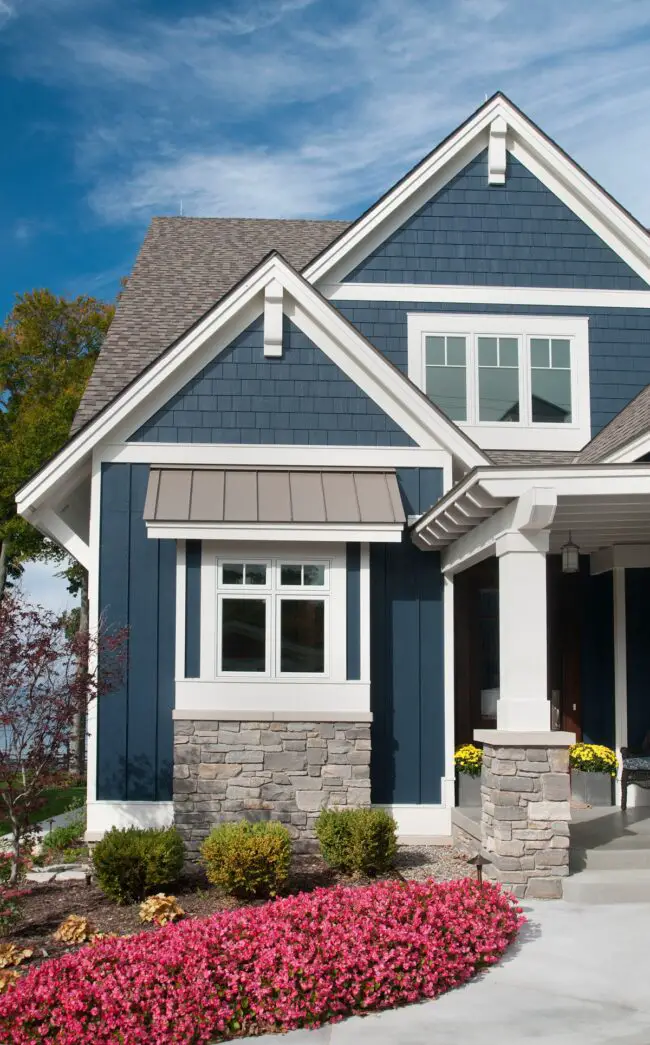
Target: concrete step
[[608, 886], [621, 854]]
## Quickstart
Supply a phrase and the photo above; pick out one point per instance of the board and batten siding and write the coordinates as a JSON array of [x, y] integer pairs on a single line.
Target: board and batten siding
[[137, 590], [300, 397], [517, 234], [406, 659]]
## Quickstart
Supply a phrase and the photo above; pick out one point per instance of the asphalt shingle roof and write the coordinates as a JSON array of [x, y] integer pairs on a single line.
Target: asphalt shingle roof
[[184, 267], [633, 420]]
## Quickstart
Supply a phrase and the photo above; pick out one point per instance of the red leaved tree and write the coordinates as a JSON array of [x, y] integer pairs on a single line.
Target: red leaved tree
[[45, 685]]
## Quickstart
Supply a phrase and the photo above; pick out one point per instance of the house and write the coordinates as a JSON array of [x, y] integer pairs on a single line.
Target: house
[[326, 473]]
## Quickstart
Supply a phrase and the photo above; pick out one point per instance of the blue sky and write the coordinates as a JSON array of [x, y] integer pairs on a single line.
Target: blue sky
[[114, 110]]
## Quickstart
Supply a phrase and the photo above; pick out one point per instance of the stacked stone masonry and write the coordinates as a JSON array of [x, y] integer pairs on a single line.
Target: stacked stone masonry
[[525, 818], [285, 771]]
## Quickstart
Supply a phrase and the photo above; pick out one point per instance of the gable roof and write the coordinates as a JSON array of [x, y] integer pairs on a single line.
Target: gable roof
[[185, 266], [619, 229]]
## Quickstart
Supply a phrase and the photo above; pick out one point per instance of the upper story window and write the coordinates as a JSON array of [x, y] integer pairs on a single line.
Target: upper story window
[[516, 382]]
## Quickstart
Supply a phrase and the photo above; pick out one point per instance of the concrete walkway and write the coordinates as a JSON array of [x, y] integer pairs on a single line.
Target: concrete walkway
[[577, 976]]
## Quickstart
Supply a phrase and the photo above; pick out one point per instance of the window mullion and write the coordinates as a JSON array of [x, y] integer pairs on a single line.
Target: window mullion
[[525, 382], [472, 380]]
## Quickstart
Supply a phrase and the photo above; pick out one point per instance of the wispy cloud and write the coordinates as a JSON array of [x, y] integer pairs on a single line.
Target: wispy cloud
[[312, 107]]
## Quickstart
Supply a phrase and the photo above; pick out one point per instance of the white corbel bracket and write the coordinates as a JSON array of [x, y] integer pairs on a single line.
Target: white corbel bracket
[[273, 293], [497, 152]]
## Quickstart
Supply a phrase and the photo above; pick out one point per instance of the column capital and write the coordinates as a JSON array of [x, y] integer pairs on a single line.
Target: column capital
[[513, 541]]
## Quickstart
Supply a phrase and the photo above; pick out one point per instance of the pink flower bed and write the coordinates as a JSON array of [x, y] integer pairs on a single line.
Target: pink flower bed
[[295, 962]]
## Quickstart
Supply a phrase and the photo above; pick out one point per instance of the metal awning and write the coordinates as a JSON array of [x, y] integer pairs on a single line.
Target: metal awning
[[283, 498]]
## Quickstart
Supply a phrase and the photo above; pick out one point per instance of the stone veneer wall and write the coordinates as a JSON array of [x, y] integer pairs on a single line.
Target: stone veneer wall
[[525, 812], [266, 770]]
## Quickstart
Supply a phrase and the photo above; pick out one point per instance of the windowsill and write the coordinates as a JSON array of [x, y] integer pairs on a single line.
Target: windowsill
[[520, 437], [298, 695]]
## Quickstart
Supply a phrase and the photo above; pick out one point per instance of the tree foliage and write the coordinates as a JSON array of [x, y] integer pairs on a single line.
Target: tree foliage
[[43, 693], [48, 347]]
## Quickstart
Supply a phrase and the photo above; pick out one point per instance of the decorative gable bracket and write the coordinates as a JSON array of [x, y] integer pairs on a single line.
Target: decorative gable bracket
[[273, 318], [497, 152]]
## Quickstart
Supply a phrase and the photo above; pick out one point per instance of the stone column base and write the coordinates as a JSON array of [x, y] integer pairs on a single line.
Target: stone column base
[[525, 800], [287, 771]]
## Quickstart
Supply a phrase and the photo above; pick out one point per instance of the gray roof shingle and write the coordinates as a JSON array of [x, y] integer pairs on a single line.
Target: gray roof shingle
[[184, 267], [530, 458], [633, 420]]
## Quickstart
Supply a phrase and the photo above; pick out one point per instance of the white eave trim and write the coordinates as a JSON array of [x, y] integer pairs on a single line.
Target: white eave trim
[[486, 491], [598, 210], [288, 532], [389, 389], [469, 294]]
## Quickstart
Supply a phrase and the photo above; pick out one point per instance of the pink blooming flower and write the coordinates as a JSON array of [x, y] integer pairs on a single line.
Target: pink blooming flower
[[296, 962]]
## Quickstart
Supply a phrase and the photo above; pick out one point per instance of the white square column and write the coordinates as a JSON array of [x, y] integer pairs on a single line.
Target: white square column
[[523, 642]]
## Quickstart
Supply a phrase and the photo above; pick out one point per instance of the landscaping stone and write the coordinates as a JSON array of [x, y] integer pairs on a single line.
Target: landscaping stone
[[285, 771]]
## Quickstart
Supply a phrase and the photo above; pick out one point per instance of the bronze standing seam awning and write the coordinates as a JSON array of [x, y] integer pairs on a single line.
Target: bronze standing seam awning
[[274, 495]]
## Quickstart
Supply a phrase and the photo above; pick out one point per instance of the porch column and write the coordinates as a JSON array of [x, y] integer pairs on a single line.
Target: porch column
[[523, 690]]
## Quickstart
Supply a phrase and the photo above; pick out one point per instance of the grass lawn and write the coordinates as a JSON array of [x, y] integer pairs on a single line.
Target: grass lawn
[[57, 800]]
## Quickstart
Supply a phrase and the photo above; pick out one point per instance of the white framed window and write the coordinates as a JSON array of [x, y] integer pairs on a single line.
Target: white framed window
[[511, 382], [273, 617]]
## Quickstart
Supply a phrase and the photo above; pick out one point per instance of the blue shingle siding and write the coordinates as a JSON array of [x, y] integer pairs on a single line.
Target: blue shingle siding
[[301, 397], [619, 343], [517, 234], [137, 590]]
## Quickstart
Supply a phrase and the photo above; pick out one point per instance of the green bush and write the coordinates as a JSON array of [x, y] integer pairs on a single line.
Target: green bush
[[357, 841], [133, 862], [248, 859], [64, 837]]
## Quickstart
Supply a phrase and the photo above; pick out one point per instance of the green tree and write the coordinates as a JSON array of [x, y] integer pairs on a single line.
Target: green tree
[[48, 347]]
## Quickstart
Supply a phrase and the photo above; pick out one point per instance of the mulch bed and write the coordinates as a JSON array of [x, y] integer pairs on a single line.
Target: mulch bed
[[48, 905]]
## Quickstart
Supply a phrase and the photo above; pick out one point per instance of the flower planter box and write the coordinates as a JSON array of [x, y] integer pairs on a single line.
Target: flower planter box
[[594, 789], [468, 791]]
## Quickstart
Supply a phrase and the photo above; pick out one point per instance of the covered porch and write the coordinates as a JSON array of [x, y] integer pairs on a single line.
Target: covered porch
[[550, 573]]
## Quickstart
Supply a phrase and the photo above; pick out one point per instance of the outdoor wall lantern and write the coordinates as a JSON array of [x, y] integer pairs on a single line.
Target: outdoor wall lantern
[[570, 557]]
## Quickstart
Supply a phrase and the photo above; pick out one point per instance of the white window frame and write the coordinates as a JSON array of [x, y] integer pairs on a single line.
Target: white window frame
[[273, 594], [511, 435]]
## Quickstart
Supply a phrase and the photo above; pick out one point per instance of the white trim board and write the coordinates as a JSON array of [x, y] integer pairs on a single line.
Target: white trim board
[[338, 339], [276, 455], [103, 815], [456, 294], [420, 820], [274, 532], [525, 142], [323, 697]]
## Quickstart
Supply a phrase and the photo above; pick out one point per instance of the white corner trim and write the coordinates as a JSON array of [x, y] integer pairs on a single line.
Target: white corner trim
[[525, 434], [104, 815], [468, 294], [364, 611], [93, 621], [542, 157], [425, 821], [449, 684], [55, 527], [274, 532], [181, 586], [497, 151], [273, 294]]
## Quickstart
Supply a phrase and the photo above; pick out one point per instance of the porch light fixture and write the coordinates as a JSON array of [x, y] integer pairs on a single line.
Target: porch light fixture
[[570, 557]]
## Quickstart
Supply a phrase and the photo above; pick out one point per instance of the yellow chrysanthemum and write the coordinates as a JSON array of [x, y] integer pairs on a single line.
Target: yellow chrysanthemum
[[593, 758]]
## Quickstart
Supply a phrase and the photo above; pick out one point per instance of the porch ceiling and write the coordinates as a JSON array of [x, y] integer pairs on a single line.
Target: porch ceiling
[[598, 522]]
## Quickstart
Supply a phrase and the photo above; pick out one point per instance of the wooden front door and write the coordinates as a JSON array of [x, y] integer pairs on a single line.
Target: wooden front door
[[563, 594]]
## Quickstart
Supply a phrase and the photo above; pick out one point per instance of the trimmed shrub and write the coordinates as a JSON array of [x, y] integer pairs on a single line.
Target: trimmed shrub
[[357, 841], [297, 962], [248, 859], [130, 863], [60, 838]]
